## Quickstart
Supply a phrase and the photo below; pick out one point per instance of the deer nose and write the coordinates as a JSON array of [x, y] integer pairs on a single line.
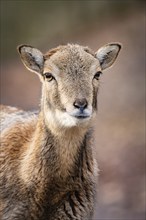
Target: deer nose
[[80, 104]]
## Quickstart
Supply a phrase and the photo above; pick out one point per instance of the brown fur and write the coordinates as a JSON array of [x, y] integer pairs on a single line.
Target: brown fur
[[48, 169]]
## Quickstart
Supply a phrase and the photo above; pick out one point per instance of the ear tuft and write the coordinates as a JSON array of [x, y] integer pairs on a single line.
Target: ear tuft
[[32, 58], [108, 54]]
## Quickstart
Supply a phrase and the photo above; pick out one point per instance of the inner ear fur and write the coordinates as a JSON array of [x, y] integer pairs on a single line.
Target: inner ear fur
[[32, 58], [108, 54]]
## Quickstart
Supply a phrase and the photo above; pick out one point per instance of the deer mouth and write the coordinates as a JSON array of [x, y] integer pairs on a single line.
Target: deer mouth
[[81, 116], [84, 114]]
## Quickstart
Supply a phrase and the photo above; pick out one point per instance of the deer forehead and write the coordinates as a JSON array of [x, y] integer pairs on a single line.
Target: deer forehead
[[71, 60]]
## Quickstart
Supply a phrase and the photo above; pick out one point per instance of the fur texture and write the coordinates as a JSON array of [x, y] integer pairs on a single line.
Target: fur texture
[[48, 168]]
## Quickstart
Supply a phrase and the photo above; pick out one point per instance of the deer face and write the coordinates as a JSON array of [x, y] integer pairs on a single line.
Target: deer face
[[70, 77]]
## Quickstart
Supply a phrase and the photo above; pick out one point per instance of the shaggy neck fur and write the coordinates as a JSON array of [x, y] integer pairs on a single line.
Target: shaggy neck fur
[[53, 151]]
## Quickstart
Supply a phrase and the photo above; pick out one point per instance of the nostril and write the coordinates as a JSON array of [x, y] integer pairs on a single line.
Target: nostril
[[81, 103]]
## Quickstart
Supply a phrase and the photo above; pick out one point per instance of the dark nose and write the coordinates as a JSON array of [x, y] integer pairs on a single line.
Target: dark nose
[[81, 104]]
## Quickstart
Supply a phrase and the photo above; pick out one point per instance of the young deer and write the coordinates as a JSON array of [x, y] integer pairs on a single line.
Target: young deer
[[48, 167]]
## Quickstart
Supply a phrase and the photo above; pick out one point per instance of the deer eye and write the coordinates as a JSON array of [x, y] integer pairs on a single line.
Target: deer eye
[[97, 75], [49, 76]]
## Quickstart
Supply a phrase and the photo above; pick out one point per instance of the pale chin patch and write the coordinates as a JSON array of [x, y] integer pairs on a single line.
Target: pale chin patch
[[66, 120], [63, 119]]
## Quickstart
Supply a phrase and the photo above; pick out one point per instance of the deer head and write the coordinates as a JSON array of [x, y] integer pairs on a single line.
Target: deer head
[[70, 80]]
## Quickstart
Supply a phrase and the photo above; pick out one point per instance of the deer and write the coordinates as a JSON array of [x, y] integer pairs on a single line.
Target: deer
[[48, 165]]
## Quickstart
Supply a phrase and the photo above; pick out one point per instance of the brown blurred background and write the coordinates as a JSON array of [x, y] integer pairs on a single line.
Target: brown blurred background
[[120, 124]]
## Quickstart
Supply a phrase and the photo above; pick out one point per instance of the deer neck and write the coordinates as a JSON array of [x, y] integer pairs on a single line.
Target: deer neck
[[67, 144], [51, 152]]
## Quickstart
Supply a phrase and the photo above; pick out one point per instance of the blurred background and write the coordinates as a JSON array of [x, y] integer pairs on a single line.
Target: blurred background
[[120, 124]]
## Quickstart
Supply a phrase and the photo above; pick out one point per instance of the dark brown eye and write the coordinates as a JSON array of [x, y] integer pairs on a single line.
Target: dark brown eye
[[97, 75], [49, 77]]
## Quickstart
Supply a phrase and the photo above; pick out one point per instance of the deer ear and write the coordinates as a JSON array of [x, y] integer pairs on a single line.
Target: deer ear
[[32, 58], [108, 54]]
